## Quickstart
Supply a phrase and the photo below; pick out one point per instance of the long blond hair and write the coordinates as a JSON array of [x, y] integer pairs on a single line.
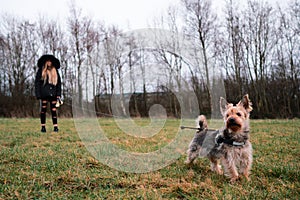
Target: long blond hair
[[50, 74]]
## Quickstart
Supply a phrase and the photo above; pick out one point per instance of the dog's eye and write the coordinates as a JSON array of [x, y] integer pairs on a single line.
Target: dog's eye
[[239, 114], [227, 115]]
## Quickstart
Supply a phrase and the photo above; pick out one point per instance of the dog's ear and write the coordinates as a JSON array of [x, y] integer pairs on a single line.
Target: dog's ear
[[246, 103], [224, 105]]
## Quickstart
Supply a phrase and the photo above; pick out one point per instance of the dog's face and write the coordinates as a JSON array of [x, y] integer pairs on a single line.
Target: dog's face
[[236, 117]]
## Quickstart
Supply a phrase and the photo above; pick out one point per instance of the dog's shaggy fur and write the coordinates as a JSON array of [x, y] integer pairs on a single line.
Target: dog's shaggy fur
[[230, 145]]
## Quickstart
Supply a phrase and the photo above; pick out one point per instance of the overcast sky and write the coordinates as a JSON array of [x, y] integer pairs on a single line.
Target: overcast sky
[[136, 13], [131, 14]]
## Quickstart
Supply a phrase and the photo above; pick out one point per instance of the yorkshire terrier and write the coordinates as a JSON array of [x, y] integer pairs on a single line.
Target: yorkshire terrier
[[230, 145]]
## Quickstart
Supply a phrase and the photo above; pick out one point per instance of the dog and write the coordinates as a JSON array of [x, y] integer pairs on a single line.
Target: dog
[[231, 145]]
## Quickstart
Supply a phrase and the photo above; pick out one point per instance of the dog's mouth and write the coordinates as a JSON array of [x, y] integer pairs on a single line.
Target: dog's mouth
[[234, 126]]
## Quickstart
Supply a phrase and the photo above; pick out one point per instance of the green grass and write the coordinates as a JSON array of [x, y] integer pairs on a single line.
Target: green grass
[[34, 165]]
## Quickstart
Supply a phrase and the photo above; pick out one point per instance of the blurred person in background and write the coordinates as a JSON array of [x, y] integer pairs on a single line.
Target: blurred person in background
[[48, 88]]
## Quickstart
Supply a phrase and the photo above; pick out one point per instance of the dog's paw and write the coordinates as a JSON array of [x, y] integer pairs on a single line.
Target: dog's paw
[[248, 178], [188, 162], [219, 171], [234, 179]]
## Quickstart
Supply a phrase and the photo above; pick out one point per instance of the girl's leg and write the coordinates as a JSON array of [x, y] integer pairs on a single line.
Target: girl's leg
[[54, 115], [43, 114]]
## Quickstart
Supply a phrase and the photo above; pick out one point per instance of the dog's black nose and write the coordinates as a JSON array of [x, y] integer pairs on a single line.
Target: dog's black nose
[[231, 120]]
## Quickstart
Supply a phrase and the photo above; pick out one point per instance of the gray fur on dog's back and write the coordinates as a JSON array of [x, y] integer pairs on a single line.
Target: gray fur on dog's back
[[204, 142]]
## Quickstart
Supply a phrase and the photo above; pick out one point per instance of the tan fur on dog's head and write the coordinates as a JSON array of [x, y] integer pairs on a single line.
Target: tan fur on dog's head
[[236, 117]]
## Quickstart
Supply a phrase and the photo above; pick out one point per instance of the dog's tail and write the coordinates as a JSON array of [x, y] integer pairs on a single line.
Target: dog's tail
[[201, 122]]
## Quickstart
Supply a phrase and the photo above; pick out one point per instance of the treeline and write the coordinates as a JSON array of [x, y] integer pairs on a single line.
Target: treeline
[[253, 49]]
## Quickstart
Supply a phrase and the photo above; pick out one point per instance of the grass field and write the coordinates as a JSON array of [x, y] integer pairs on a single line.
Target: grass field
[[35, 165]]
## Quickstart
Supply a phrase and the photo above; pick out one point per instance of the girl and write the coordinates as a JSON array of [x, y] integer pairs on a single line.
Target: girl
[[48, 88]]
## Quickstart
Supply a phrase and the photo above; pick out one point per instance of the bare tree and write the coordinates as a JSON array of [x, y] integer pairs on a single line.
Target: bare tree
[[95, 37], [286, 59], [114, 63], [200, 21], [133, 58], [77, 33], [235, 45], [168, 54], [90, 38], [258, 29], [18, 55], [2, 68]]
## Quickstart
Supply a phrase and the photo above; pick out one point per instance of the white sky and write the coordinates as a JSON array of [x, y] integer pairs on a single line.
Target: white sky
[[132, 14], [124, 13]]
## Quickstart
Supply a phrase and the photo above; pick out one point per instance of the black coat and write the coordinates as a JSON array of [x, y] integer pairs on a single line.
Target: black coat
[[47, 90]]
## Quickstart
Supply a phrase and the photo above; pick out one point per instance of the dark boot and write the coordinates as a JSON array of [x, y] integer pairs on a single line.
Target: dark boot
[[43, 130], [55, 129]]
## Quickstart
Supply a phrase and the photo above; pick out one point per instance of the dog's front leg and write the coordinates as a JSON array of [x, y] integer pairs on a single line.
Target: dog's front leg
[[230, 168], [215, 165], [246, 162]]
